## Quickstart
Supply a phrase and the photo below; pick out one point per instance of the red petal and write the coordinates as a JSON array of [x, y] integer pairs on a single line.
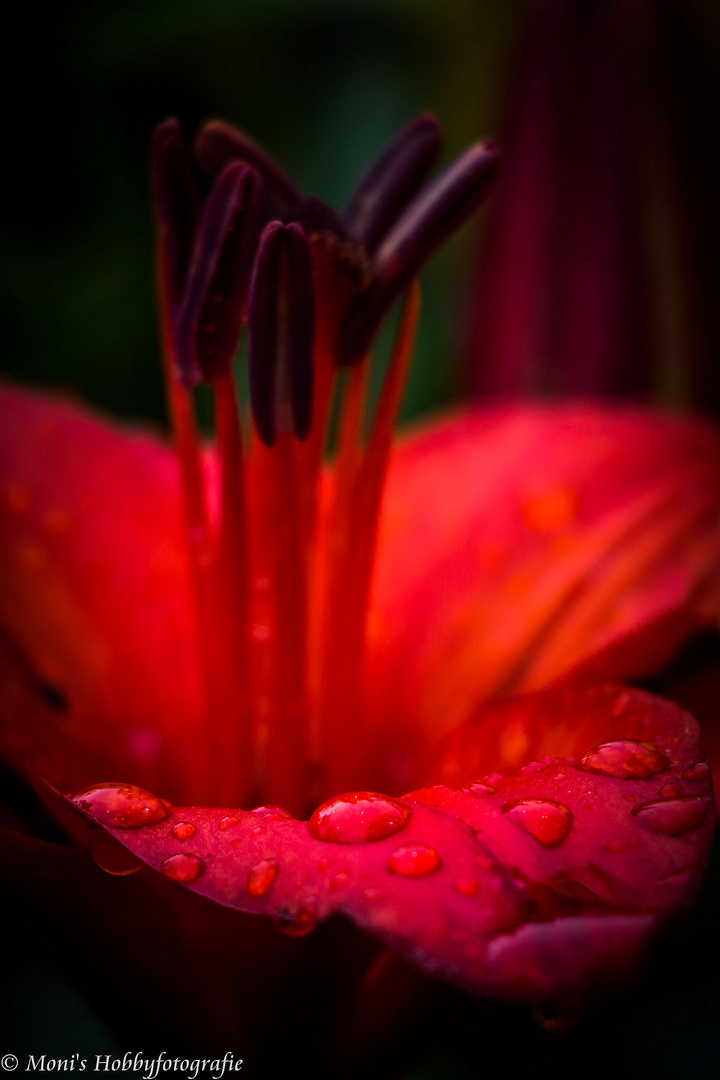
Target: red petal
[[482, 888], [96, 647], [519, 544]]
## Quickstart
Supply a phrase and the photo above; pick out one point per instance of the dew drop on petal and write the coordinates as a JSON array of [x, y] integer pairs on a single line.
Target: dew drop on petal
[[414, 860], [183, 830], [271, 811], [484, 862], [261, 877], [301, 923], [466, 886], [360, 817], [546, 821], [121, 806], [673, 817], [183, 868], [110, 855], [624, 758], [699, 771], [560, 776], [371, 895], [339, 881], [670, 791], [616, 846], [228, 822], [481, 789]]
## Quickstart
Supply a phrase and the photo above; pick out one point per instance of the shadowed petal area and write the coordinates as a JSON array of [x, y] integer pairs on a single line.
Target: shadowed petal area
[[518, 545], [96, 636], [479, 884]]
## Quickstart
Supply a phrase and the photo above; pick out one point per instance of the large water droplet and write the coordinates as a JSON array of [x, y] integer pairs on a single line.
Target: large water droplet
[[673, 817], [547, 821], [110, 855], [670, 791], [414, 860], [481, 789], [228, 822], [360, 817], [261, 877], [121, 806], [624, 758], [183, 868], [183, 830]]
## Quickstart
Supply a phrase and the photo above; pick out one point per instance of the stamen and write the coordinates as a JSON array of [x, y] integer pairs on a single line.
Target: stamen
[[392, 179], [426, 223], [351, 553], [218, 143], [281, 325], [209, 316]]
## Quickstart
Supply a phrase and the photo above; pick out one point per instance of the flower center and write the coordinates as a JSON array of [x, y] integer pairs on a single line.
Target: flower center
[[281, 546]]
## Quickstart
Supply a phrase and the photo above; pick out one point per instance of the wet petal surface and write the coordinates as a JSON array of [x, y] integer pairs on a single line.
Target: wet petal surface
[[482, 882]]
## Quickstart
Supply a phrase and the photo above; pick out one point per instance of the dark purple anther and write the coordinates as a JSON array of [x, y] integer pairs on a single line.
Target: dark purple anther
[[177, 203], [392, 180], [429, 219], [281, 331], [218, 143], [209, 316]]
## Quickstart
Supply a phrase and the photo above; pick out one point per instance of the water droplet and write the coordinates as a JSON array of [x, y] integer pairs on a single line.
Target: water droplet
[[303, 922], [533, 767], [271, 811], [670, 791], [414, 860], [183, 868], [624, 758], [372, 895], [481, 789], [110, 855], [484, 862], [228, 822], [547, 821], [629, 798], [560, 776], [183, 830], [466, 886], [614, 846], [673, 817], [261, 877], [339, 881], [360, 817], [121, 806], [699, 771]]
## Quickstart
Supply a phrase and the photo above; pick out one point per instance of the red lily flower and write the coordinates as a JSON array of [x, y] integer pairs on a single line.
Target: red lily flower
[[245, 625]]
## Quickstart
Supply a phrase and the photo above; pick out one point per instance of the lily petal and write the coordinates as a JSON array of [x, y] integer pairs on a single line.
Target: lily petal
[[578, 538], [91, 523], [582, 854]]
